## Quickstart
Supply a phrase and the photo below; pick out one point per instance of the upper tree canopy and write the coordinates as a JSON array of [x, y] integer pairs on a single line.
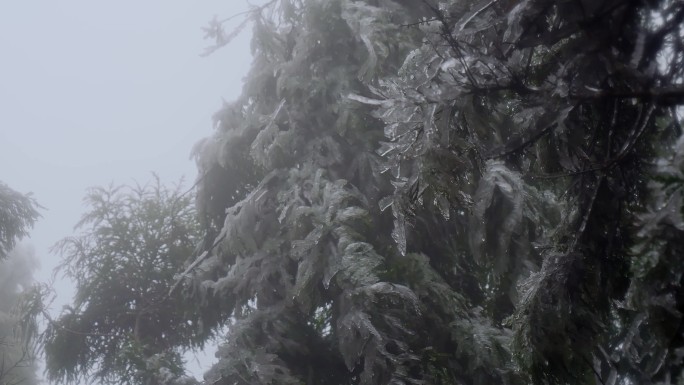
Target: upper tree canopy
[[449, 192]]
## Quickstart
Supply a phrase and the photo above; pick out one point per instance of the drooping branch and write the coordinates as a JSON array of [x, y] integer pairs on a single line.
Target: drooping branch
[[662, 96]]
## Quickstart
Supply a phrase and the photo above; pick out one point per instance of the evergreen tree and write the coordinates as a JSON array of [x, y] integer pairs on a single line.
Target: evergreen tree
[[541, 122], [18, 213], [18, 327], [126, 325], [462, 192], [442, 193]]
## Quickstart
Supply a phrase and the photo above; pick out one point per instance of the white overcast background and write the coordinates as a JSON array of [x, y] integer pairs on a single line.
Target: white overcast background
[[100, 92]]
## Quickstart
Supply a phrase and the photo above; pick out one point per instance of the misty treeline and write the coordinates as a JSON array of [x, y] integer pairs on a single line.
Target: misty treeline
[[407, 192], [18, 326]]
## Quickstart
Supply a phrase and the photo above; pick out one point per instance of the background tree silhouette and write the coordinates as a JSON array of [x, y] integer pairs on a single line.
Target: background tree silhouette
[[124, 325], [18, 213], [18, 326]]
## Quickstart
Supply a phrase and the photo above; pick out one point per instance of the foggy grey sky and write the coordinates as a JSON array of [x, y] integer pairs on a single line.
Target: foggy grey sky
[[93, 92]]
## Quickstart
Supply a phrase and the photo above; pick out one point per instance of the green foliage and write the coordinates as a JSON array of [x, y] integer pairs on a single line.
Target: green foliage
[[124, 325]]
